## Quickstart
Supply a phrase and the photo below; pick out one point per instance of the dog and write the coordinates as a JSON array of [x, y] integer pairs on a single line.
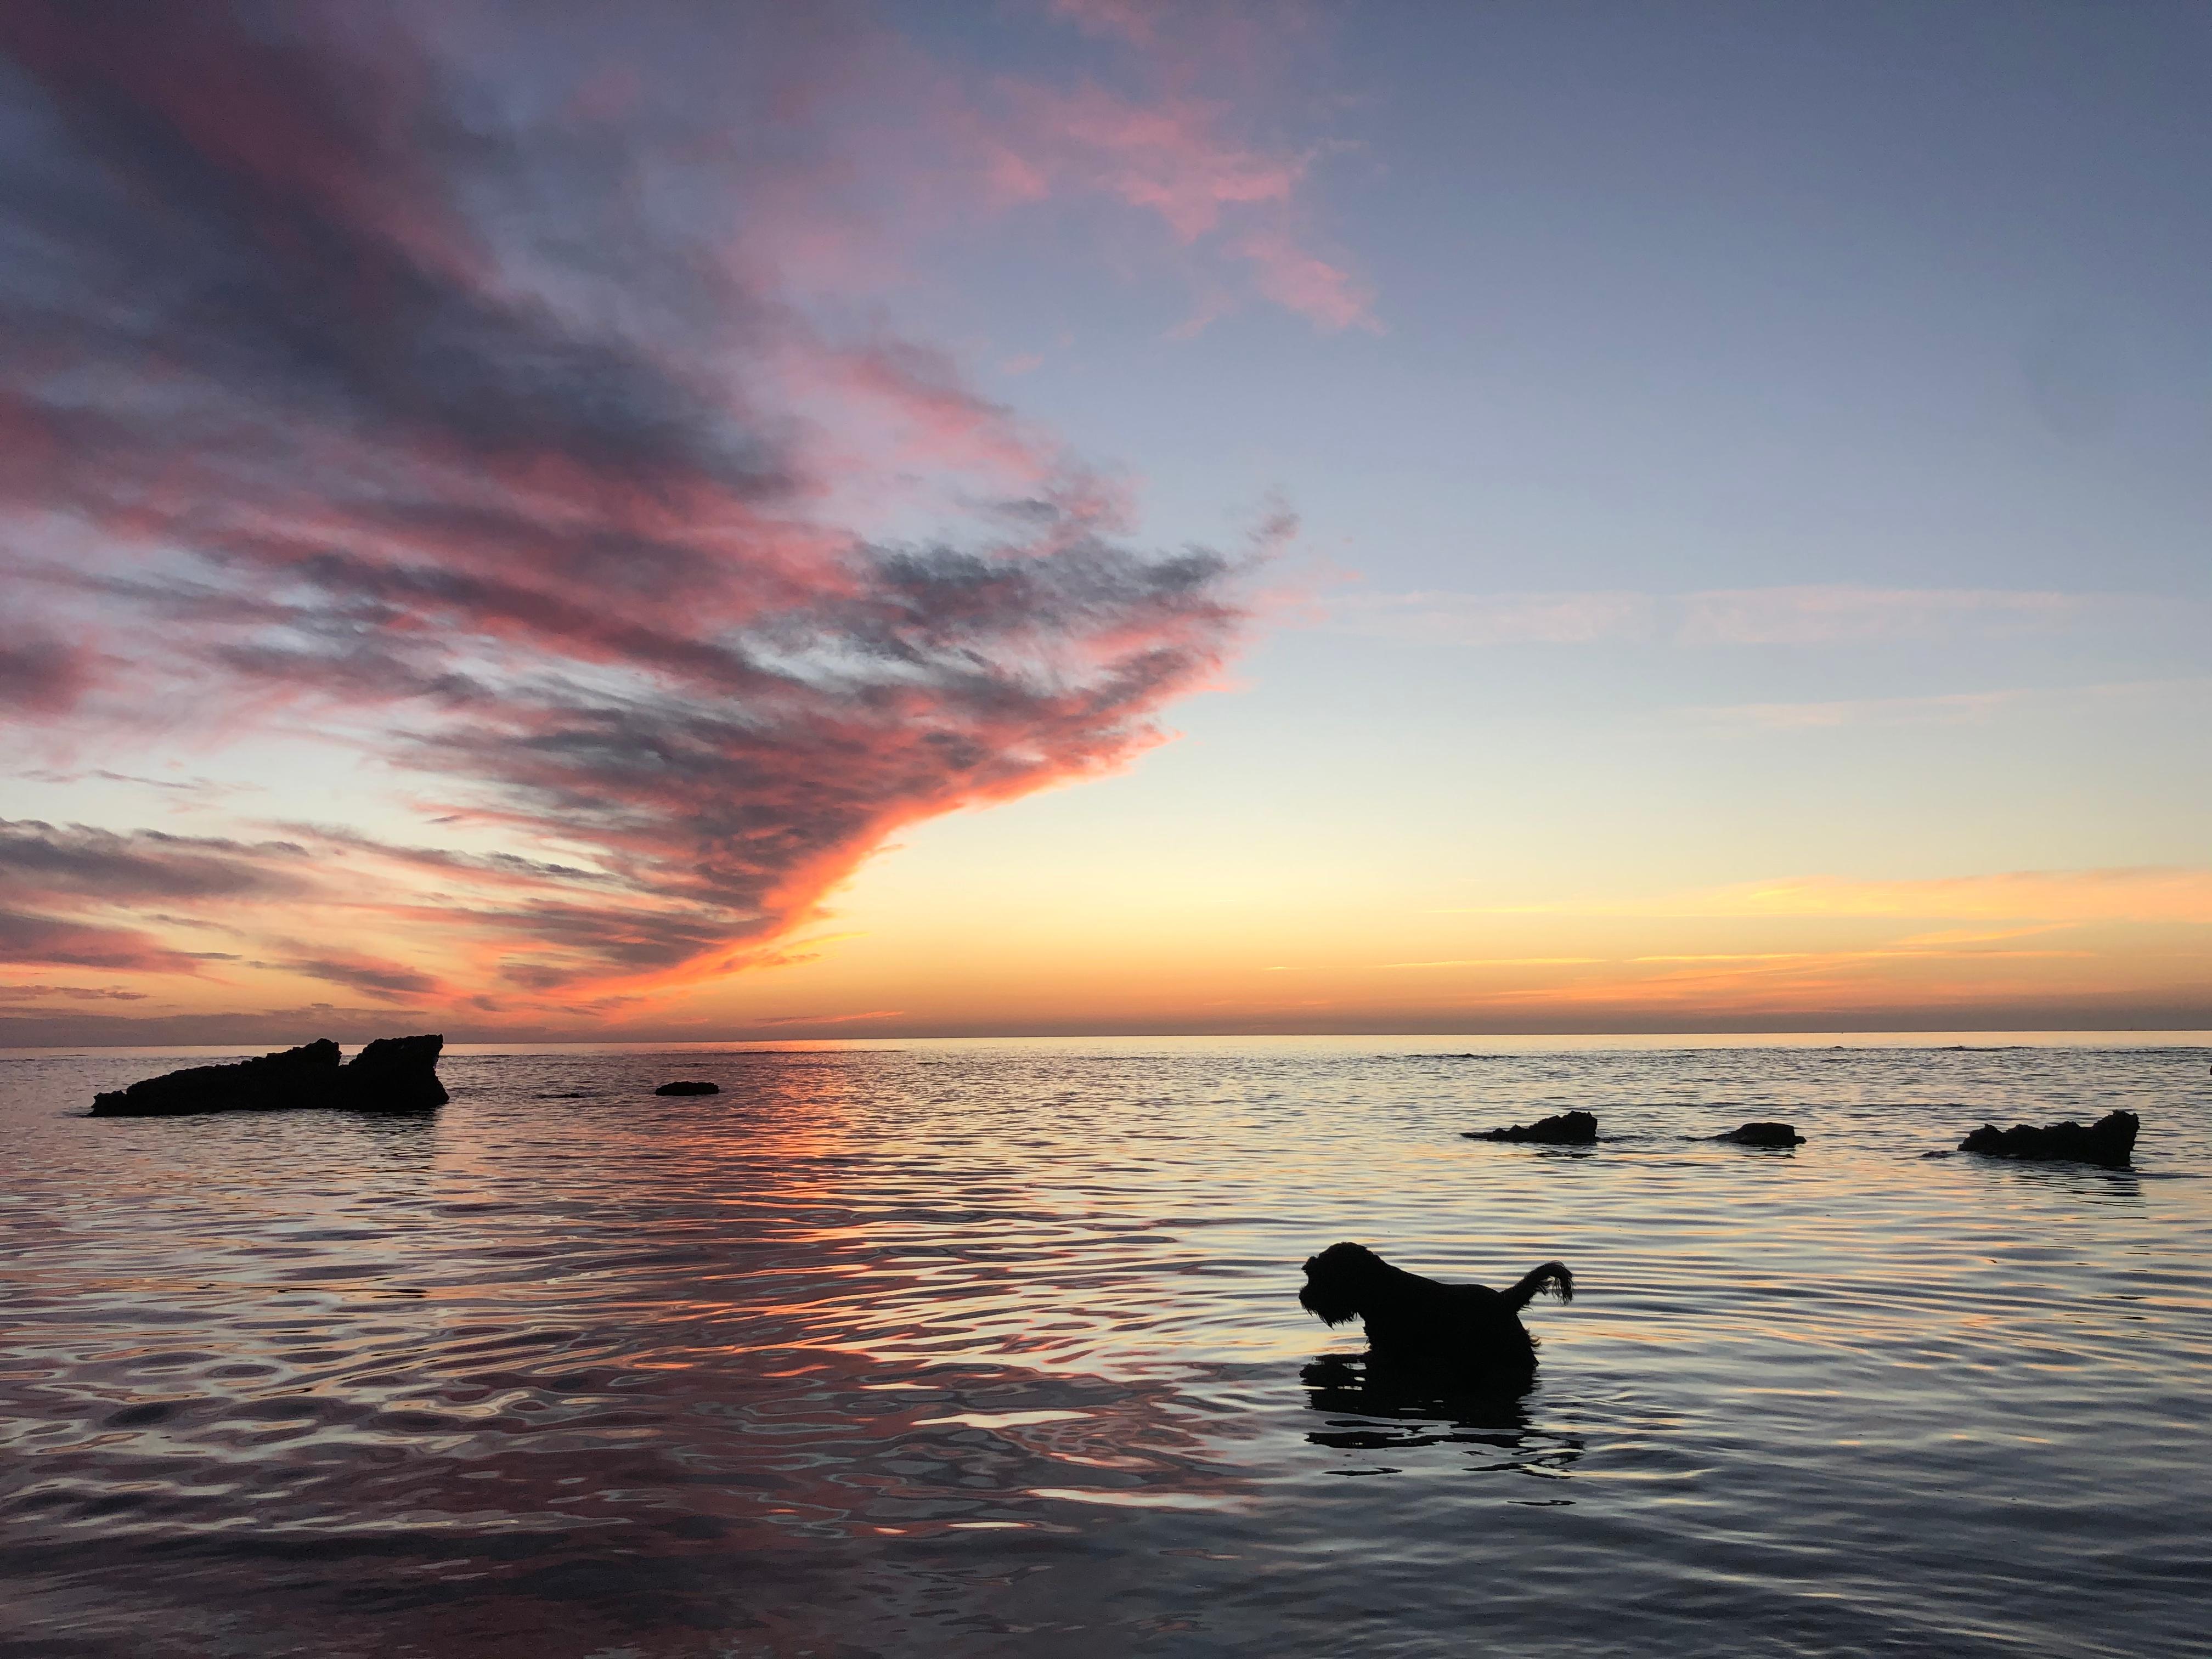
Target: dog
[[1411, 1318]]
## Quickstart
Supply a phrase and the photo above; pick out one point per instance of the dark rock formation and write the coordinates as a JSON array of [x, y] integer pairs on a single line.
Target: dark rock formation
[[689, 1089], [1567, 1129], [395, 1074], [392, 1074], [2110, 1140], [1762, 1135]]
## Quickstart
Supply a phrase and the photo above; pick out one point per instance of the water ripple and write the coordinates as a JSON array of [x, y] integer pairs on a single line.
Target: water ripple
[[974, 1349]]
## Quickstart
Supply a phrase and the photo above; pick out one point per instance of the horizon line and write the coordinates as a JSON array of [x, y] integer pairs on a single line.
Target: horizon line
[[2023, 1036]]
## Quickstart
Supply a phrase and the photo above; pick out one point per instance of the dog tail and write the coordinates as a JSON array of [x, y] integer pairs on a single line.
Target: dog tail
[[1552, 1276]]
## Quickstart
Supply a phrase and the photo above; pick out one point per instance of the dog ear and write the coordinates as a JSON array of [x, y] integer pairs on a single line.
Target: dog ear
[[1347, 1258]]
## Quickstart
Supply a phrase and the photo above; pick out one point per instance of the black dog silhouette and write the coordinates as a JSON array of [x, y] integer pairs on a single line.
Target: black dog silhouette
[[1412, 1318]]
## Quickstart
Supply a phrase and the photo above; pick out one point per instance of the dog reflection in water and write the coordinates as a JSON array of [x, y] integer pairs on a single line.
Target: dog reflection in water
[[1376, 1405], [1470, 1330]]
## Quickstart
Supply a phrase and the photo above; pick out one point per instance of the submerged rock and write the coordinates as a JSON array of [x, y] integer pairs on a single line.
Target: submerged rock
[[2110, 1140], [689, 1089], [1762, 1135], [392, 1074], [1567, 1129]]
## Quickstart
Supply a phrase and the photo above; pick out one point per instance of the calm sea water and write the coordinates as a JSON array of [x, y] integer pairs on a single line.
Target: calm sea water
[[994, 1349]]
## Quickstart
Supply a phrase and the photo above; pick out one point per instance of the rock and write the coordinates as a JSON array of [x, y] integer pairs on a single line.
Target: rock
[[1567, 1129], [396, 1074], [392, 1074], [689, 1089], [2110, 1140], [1762, 1135]]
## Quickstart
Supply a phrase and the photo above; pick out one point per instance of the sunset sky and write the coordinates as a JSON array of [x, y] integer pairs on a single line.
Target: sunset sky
[[697, 521]]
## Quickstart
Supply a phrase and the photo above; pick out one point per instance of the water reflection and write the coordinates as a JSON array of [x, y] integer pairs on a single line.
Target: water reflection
[[403, 1137], [1377, 1405], [943, 1353], [2090, 1181]]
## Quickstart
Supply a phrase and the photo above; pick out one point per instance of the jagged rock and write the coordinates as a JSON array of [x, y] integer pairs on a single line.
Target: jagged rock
[[689, 1089], [1762, 1135], [2110, 1140], [1567, 1129], [395, 1074], [392, 1074]]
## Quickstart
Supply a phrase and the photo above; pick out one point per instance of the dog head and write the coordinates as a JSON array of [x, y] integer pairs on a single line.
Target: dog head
[[1341, 1281]]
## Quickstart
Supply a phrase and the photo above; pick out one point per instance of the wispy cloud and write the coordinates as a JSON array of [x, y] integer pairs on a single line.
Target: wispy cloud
[[1847, 615], [1451, 962], [1831, 615], [439, 392], [23, 992], [1173, 149], [1951, 708], [832, 1020], [2151, 894], [389, 981], [74, 861]]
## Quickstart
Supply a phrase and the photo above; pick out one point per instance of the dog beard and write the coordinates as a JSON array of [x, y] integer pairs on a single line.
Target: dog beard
[[1335, 1309]]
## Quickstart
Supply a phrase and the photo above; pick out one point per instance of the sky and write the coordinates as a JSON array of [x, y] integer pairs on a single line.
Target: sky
[[688, 521]]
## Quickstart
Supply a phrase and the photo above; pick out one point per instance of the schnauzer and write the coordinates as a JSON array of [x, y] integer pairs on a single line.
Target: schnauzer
[[1411, 1317]]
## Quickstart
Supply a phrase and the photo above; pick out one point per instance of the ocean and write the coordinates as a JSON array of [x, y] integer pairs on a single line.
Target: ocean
[[993, 1348]]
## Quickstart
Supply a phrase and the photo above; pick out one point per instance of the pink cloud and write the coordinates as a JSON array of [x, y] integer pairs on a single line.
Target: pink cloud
[[471, 446], [1300, 281], [1165, 154], [1130, 20], [1170, 153], [932, 419]]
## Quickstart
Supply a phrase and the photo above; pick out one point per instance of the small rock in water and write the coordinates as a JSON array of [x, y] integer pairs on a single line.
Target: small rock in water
[[2111, 1139], [1762, 1135], [1567, 1129], [689, 1089], [392, 1074]]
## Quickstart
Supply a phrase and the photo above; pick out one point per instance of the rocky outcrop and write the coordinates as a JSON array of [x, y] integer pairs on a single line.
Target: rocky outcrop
[[1762, 1135], [392, 1074], [689, 1089], [1567, 1129], [2110, 1140]]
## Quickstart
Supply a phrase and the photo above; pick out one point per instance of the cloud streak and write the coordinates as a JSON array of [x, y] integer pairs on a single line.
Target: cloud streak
[[2149, 893], [1168, 149], [359, 380], [1818, 614]]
